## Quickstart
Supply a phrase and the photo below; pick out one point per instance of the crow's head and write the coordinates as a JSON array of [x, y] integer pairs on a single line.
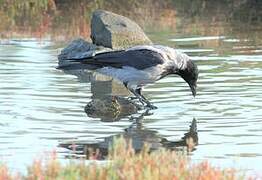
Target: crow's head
[[190, 74]]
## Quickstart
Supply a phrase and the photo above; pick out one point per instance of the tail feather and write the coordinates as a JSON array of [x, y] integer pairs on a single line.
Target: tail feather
[[77, 64], [91, 63]]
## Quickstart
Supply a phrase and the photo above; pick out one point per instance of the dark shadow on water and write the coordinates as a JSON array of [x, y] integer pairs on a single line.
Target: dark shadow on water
[[139, 136]]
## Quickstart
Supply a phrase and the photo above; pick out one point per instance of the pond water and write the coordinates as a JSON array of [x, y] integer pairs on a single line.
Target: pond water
[[42, 107]]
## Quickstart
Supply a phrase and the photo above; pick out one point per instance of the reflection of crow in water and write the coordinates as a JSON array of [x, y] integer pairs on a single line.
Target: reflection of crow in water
[[139, 66], [139, 136], [190, 139]]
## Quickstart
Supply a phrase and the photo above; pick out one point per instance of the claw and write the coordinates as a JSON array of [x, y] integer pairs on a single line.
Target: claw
[[150, 106]]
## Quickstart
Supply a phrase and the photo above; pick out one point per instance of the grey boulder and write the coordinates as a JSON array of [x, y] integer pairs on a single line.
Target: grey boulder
[[115, 31]]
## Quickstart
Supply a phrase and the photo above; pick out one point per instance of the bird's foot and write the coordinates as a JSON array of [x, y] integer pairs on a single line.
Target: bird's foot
[[150, 106]]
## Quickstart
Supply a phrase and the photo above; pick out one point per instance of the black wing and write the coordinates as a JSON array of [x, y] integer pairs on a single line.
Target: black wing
[[139, 59]]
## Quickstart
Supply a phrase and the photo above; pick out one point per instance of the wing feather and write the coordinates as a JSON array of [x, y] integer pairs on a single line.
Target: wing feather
[[139, 59]]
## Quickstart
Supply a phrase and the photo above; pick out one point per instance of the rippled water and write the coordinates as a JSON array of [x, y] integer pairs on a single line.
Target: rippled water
[[42, 107]]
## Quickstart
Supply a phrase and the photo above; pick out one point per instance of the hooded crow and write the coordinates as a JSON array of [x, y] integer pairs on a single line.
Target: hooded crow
[[140, 65]]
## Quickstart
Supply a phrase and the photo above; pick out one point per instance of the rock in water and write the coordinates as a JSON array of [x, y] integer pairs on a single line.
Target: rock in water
[[79, 48], [111, 108], [116, 31]]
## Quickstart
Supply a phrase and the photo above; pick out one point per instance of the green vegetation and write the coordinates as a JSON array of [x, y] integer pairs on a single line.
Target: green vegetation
[[64, 20], [124, 163]]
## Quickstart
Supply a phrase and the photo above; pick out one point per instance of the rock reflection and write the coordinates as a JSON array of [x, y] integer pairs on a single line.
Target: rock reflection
[[139, 136], [111, 108], [108, 101]]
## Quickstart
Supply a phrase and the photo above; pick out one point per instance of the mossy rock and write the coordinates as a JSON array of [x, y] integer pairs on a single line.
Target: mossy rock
[[111, 108]]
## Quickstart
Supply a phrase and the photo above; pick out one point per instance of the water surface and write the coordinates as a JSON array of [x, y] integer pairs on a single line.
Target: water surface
[[42, 107]]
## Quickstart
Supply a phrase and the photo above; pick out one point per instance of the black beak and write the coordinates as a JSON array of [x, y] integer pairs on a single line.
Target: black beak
[[193, 89], [190, 76]]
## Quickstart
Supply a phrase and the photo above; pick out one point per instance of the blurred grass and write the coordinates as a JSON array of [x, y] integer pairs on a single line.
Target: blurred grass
[[124, 163], [66, 19]]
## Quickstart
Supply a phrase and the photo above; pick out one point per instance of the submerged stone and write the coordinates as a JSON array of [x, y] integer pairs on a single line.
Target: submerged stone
[[110, 108]]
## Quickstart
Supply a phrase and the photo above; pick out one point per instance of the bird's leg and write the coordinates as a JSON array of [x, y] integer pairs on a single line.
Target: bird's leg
[[140, 94], [148, 103], [142, 99], [130, 98], [138, 91], [137, 95]]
